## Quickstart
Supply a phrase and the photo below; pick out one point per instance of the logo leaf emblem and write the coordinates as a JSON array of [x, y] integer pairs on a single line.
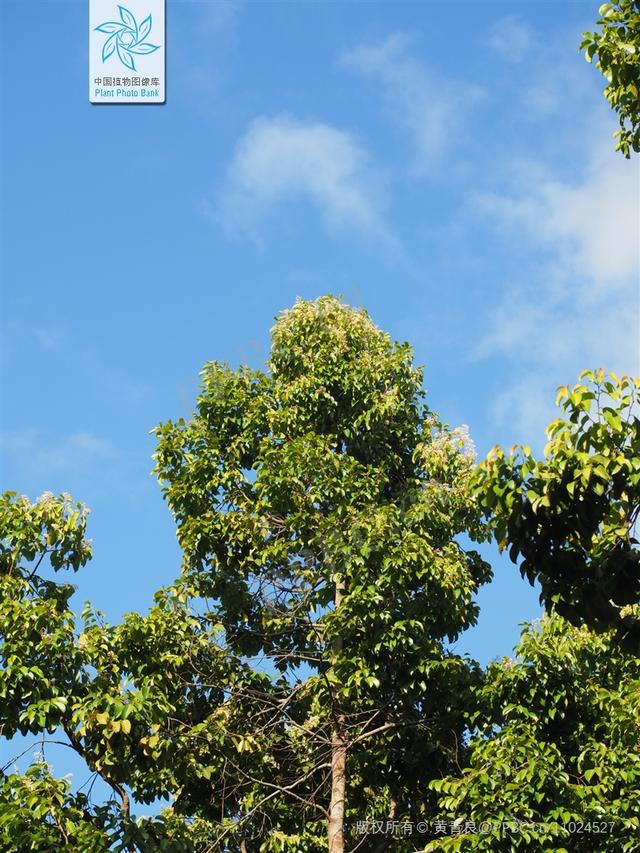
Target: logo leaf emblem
[[144, 48], [145, 28], [110, 27], [126, 38], [126, 58], [108, 47], [128, 19]]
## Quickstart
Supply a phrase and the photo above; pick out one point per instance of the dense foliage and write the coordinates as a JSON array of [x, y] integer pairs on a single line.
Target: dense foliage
[[617, 48], [571, 517], [555, 761], [120, 697], [297, 675], [296, 681], [318, 506]]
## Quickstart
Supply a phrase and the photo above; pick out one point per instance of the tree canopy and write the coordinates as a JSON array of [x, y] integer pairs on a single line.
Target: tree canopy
[[555, 757], [571, 517], [318, 506], [617, 48], [297, 678], [114, 695]]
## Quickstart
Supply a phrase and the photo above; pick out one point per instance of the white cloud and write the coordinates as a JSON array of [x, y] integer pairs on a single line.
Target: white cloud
[[510, 39], [576, 304], [430, 108], [592, 226], [281, 158]]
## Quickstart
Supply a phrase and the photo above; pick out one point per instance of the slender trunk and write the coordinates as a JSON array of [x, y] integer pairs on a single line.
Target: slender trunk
[[338, 785], [335, 823]]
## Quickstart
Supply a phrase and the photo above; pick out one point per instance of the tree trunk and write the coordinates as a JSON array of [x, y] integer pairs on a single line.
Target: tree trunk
[[335, 823], [338, 785]]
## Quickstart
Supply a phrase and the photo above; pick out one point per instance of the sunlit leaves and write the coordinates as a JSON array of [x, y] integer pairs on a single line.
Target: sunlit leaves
[[616, 46], [569, 517], [108, 692], [555, 759], [328, 472]]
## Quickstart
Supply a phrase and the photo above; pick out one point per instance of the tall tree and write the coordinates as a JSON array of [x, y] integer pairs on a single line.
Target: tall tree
[[617, 48], [296, 679], [319, 506]]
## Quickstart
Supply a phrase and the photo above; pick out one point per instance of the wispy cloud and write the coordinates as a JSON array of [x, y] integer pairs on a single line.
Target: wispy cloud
[[73, 452], [510, 38], [426, 105], [576, 304], [591, 226], [280, 159]]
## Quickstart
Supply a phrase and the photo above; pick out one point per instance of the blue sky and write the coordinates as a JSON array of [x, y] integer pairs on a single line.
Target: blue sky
[[448, 167]]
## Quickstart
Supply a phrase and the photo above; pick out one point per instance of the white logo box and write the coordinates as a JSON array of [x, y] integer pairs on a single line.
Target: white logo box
[[127, 52]]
